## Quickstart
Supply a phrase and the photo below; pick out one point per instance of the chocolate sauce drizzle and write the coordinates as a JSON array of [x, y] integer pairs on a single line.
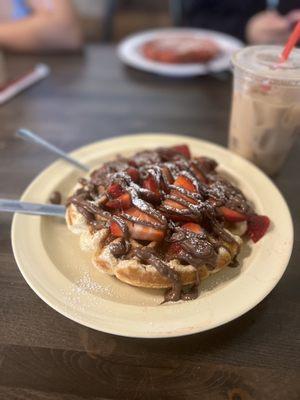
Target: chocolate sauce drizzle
[[55, 197], [148, 255], [120, 248], [195, 248], [164, 165]]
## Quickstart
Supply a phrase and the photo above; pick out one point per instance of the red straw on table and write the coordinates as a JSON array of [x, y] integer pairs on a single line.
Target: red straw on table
[[291, 43], [15, 86]]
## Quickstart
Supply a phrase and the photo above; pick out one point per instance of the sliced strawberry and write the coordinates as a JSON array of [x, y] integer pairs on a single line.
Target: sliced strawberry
[[167, 174], [191, 226], [184, 197], [150, 184], [134, 174], [166, 180], [132, 163], [115, 190], [232, 215], [199, 175], [143, 232], [121, 203], [257, 226], [182, 149], [207, 163], [174, 204], [173, 250], [115, 229], [184, 182], [173, 214]]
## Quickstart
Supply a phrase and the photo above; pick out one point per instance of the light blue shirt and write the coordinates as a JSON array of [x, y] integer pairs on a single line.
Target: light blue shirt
[[20, 9]]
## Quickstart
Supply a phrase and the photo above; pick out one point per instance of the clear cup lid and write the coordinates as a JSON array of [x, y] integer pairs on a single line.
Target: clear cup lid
[[263, 62]]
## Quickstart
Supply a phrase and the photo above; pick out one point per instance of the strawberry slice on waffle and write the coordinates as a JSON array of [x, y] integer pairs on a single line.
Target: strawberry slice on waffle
[[257, 226], [141, 226], [176, 205], [182, 149], [119, 199], [151, 184], [232, 215], [175, 248]]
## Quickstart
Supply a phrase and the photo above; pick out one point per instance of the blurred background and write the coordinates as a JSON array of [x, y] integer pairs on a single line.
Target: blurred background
[[113, 19], [41, 25]]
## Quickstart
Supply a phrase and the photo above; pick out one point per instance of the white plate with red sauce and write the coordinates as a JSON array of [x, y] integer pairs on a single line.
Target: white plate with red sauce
[[49, 257], [130, 52]]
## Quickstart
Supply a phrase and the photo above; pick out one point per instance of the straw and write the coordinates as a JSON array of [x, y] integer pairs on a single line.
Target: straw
[[291, 43], [13, 87]]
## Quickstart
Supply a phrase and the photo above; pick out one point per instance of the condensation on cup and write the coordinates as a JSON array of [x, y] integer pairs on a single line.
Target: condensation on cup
[[265, 114]]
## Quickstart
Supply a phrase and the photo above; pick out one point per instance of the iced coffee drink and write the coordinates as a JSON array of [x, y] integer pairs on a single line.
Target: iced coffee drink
[[265, 116]]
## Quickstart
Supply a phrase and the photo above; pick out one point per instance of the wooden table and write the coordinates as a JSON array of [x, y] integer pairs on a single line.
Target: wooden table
[[43, 355]]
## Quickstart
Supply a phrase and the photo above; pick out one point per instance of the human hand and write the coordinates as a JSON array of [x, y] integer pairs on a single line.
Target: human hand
[[268, 27]]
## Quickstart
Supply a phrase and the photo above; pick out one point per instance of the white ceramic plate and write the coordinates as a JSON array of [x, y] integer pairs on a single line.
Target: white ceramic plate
[[50, 260], [129, 52]]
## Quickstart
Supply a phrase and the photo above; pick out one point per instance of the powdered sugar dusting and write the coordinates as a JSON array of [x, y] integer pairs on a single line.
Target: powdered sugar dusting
[[87, 291]]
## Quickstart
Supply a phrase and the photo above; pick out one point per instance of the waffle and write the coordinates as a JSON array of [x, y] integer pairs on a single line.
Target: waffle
[[132, 270], [161, 220]]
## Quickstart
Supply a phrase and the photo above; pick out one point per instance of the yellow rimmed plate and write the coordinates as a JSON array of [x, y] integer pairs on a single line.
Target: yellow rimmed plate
[[49, 257]]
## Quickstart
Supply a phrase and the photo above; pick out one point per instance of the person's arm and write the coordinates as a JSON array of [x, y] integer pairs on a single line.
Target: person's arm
[[52, 25], [268, 27]]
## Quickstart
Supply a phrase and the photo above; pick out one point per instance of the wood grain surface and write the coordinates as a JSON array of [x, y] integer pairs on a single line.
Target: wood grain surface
[[43, 355]]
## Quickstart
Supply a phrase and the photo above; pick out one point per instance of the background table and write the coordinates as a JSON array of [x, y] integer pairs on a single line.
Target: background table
[[43, 355]]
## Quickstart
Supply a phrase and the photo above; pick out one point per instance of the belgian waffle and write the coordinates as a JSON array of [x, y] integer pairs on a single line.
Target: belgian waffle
[[161, 219]]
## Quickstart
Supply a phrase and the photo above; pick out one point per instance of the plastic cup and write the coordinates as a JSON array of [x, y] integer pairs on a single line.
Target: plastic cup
[[265, 113]]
